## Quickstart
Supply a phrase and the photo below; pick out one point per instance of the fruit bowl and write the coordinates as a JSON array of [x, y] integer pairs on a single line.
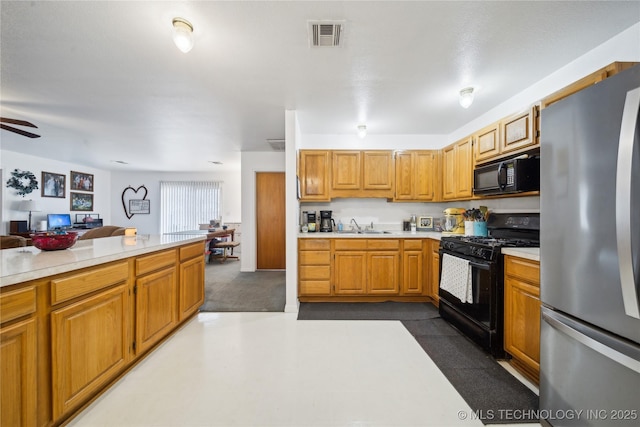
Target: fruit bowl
[[54, 241]]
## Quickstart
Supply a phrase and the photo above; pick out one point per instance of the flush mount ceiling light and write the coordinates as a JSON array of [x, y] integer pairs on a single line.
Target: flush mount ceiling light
[[362, 131], [466, 97], [183, 34]]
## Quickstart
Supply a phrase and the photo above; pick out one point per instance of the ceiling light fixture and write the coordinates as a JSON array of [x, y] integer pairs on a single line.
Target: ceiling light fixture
[[466, 97], [183, 34], [362, 131]]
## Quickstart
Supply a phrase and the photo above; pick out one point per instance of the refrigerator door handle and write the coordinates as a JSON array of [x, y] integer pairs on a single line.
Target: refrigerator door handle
[[623, 203], [595, 342]]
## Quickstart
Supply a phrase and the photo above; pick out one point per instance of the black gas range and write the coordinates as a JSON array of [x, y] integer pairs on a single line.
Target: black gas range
[[472, 285]]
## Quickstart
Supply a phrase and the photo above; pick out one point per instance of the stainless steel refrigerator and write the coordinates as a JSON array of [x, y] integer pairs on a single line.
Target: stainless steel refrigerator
[[590, 256]]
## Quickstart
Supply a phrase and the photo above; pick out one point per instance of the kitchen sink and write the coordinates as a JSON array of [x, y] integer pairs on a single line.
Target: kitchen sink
[[362, 232]]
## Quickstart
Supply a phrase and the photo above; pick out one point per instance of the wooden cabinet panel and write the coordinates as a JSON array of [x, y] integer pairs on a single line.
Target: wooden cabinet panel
[[487, 143], [435, 271], [191, 286], [377, 170], [415, 175], [346, 172], [314, 171], [314, 267], [349, 244], [157, 261], [412, 272], [314, 244], [18, 367], [156, 303], [383, 273], [88, 345], [383, 244], [17, 303], [412, 244], [314, 257], [519, 131], [464, 168], [522, 315], [191, 251], [350, 273], [94, 279], [405, 181], [315, 272], [315, 287], [449, 180]]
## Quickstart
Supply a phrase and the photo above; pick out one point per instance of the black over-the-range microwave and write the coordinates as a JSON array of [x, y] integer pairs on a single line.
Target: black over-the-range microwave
[[507, 176]]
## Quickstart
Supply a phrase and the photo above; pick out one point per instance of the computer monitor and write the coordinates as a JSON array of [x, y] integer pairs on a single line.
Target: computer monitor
[[58, 221]]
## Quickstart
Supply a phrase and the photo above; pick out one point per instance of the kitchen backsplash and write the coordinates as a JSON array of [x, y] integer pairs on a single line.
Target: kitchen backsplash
[[383, 213]]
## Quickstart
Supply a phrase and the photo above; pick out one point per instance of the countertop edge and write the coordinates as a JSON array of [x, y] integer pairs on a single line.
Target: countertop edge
[[49, 269], [532, 254], [387, 235]]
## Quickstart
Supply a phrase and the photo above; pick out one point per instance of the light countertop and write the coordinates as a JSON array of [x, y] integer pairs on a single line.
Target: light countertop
[[392, 234], [532, 254], [29, 263]]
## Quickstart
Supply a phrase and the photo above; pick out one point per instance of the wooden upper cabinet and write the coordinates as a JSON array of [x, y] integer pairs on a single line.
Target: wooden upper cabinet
[[346, 170], [362, 173], [314, 171], [416, 173], [377, 170], [457, 170], [519, 131], [488, 143]]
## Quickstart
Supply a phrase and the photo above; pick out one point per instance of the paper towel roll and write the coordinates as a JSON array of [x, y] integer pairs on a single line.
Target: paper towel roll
[[42, 225]]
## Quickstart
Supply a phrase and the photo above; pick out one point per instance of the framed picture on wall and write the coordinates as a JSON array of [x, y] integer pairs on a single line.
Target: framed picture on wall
[[81, 202], [53, 185], [139, 206], [81, 181]]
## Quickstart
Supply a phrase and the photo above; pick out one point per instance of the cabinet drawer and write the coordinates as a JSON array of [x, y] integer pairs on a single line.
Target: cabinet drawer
[[523, 269], [350, 244], [191, 251], [80, 284], [383, 244], [317, 244], [154, 262], [413, 245], [314, 258], [315, 287], [14, 304], [315, 272]]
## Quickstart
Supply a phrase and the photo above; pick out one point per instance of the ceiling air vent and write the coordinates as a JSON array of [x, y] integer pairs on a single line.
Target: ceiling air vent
[[325, 34], [276, 144]]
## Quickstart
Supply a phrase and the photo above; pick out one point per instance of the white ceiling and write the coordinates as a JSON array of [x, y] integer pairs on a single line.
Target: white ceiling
[[103, 80]]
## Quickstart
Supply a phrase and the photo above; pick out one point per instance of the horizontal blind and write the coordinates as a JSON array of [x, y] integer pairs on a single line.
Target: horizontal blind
[[186, 204]]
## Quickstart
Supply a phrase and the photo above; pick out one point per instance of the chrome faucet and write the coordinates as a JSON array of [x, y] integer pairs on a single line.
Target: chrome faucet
[[357, 226]]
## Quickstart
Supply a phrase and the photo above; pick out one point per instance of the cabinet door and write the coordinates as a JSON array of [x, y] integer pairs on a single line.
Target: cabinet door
[[449, 180], [404, 175], [435, 272], [18, 366], [464, 168], [350, 273], [314, 170], [156, 307], [191, 286], [519, 131], [488, 143], [425, 170], [412, 273], [383, 273], [377, 170], [522, 322], [88, 346], [346, 170]]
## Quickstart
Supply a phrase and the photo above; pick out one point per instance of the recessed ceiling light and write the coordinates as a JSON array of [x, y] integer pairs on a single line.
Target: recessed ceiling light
[[183, 34]]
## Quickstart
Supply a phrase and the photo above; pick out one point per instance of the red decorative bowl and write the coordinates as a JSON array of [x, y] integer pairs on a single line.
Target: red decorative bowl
[[54, 242]]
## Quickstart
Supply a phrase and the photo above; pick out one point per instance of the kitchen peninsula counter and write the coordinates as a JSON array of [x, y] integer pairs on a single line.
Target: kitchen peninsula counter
[[29, 263], [391, 234]]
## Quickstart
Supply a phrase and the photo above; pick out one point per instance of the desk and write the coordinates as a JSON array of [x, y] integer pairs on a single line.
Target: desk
[[209, 234]]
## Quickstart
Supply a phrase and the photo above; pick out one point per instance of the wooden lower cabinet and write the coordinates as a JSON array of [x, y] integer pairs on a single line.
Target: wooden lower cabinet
[[435, 271], [522, 315], [18, 366], [89, 346], [314, 267], [383, 270], [350, 272], [413, 268], [156, 296], [191, 281]]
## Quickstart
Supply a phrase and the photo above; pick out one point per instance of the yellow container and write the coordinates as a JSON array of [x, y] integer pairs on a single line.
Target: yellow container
[[454, 221]]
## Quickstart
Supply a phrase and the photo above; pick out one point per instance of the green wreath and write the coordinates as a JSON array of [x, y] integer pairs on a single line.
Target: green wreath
[[23, 181]]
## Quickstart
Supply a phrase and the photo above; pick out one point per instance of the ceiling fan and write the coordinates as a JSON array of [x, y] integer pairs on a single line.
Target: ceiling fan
[[18, 123]]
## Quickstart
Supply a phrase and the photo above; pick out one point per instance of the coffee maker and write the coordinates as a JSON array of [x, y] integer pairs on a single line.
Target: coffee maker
[[326, 222]]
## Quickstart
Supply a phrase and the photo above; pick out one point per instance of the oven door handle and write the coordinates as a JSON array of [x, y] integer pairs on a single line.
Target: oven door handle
[[480, 266]]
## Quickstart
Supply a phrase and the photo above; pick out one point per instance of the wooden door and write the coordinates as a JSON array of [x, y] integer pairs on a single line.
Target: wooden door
[[448, 173], [350, 273], [464, 168], [424, 172], [404, 176], [346, 170], [377, 170], [384, 273], [313, 172], [156, 304], [270, 221]]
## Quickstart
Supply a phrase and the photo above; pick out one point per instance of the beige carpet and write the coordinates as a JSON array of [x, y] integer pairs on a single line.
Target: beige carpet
[[228, 289]]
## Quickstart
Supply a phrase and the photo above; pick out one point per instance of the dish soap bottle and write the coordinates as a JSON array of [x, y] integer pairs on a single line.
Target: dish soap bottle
[[414, 224], [340, 226]]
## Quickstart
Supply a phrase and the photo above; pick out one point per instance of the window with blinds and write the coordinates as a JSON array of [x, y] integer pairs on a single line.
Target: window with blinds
[[186, 204]]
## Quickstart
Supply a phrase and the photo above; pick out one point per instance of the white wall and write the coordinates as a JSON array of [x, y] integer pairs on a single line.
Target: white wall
[[10, 160], [150, 224], [292, 136], [252, 162]]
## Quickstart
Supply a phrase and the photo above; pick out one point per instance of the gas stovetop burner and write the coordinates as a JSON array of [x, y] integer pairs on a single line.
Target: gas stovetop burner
[[492, 241]]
